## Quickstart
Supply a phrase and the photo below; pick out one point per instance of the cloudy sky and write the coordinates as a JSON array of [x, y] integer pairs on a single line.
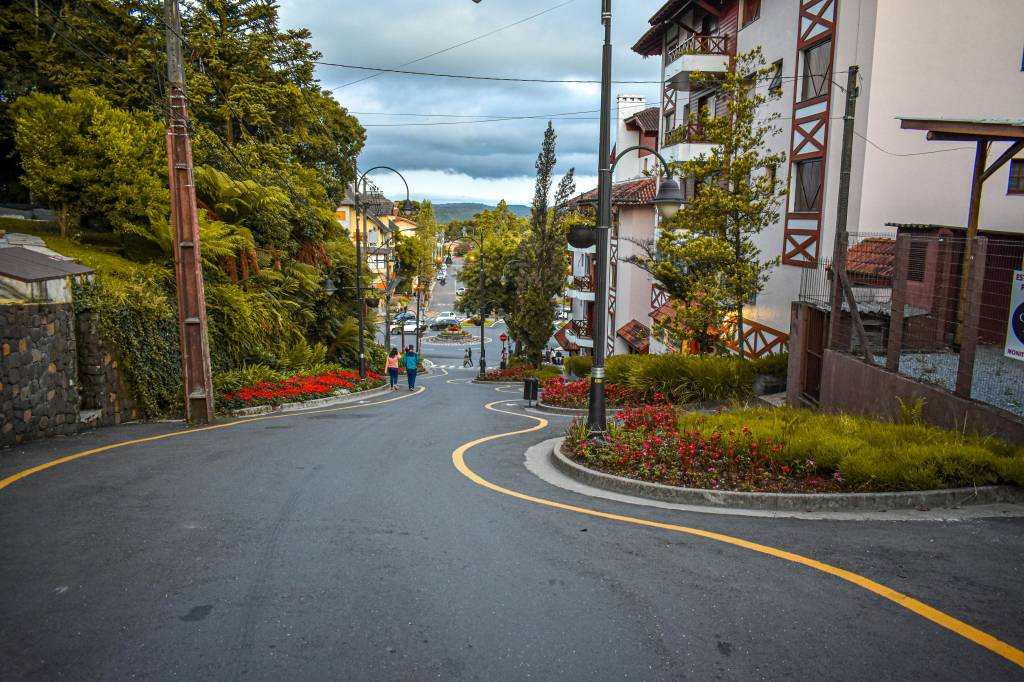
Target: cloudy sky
[[463, 161]]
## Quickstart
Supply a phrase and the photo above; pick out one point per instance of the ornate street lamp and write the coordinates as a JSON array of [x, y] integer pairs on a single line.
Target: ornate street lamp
[[407, 206]]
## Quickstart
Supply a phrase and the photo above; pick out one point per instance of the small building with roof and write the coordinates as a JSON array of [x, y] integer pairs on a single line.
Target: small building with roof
[[29, 275]]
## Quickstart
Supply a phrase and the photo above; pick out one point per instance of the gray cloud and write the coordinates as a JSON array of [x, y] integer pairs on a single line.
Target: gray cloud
[[565, 43]]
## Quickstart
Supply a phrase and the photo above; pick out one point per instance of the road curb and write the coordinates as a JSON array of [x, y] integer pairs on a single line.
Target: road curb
[[810, 502], [569, 411], [308, 404]]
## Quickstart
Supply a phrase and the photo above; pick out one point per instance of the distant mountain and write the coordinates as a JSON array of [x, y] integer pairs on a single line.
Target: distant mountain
[[445, 213]]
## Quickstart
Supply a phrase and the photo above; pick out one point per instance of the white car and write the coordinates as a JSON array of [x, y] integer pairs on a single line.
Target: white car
[[408, 327], [460, 291], [448, 316]]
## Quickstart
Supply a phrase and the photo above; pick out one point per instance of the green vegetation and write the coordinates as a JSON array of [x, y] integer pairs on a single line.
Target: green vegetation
[[776, 365], [273, 153], [579, 365], [706, 256], [682, 378], [872, 455]]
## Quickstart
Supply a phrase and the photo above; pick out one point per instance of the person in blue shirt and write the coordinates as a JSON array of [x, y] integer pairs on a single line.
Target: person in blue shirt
[[411, 360]]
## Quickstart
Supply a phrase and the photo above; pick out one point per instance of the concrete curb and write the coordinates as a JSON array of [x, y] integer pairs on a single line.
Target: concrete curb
[[308, 404], [569, 411], [810, 502]]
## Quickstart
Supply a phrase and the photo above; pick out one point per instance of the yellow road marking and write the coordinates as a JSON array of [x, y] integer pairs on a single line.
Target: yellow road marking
[[245, 420], [959, 627]]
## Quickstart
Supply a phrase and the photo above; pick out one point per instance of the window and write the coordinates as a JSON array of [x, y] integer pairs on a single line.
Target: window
[[776, 83], [808, 186], [817, 70], [751, 11], [918, 260], [1016, 177]]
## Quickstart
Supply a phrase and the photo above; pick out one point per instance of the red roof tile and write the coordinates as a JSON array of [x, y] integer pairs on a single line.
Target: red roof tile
[[637, 335], [872, 261], [640, 191], [646, 120], [563, 340]]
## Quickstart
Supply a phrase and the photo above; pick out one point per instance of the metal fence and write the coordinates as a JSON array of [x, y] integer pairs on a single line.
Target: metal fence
[[933, 306]]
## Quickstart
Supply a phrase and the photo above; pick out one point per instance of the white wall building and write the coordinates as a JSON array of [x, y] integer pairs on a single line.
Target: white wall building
[[917, 58]]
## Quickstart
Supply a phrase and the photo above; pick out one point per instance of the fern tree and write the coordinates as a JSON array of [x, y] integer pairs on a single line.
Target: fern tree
[[708, 260]]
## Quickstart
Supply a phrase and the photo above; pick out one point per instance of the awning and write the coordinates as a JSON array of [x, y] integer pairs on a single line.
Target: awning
[[637, 335]]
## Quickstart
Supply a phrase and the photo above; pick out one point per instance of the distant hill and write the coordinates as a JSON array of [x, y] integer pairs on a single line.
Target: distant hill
[[445, 213]]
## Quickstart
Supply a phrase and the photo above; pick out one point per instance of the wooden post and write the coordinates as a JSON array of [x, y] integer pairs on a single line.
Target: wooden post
[[839, 249], [973, 215], [899, 300], [195, 350], [969, 337]]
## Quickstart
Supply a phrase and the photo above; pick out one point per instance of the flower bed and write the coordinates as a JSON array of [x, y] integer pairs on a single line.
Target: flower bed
[[575, 394], [791, 450], [519, 373], [646, 443], [297, 389]]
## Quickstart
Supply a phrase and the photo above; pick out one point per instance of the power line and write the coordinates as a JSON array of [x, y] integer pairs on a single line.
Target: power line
[[566, 116], [457, 45], [886, 151], [478, 78], [389, 113]]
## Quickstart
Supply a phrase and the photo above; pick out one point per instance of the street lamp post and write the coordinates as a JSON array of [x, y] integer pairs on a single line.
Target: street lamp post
[[361, 303]]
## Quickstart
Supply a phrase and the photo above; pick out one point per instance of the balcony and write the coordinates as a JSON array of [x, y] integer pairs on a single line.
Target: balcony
[[707, 54], [685, 142], [581, 288], [578, 332]]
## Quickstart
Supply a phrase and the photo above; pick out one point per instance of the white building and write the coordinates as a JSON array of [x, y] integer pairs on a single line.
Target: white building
[[917, 58], [634, 220]]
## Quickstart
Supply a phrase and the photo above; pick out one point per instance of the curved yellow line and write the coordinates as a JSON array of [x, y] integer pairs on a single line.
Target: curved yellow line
[[961, 628], [245, 420]]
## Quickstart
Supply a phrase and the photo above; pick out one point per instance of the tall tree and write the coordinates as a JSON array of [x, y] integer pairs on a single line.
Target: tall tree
[[541, 256], [709, 260]]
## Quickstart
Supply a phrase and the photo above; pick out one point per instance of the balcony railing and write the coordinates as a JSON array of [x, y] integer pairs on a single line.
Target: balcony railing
[[685, 133], [698, 44], [584, 283], [580, 328]]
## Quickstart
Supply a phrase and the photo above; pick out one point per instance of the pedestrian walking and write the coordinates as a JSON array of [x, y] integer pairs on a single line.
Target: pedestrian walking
[[392, 366], [467, 358], [411, 361]]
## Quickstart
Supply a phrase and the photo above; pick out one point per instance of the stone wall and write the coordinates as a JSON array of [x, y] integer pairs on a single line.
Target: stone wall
[[101, 384], [38, 396]]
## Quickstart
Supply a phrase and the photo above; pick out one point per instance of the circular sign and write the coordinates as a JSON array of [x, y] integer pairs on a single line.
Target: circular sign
[[1018, 323], [504, 337]]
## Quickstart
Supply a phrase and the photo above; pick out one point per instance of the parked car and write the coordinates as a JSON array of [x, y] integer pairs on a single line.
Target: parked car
[[562, 315], [443, 321], [461, 291]]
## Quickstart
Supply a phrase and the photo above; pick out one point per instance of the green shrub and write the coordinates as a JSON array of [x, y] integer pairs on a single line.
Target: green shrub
[[617, 367], [139, 322], [776, 365], [874, 455], [579, 365]]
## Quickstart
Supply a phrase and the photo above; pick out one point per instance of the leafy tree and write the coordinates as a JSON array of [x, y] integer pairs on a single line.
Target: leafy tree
[[84, 156], [541, 257], [501, 231], [708, 259]]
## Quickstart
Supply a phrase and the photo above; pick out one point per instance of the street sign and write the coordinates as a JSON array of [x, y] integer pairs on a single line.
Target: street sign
[[1015, 325], [503, 338]]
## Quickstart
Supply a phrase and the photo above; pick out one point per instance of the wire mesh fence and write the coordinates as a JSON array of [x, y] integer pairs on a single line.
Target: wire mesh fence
[[934, 306]]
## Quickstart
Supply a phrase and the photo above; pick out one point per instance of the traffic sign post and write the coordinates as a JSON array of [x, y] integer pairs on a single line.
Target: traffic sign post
[[1015, 325]]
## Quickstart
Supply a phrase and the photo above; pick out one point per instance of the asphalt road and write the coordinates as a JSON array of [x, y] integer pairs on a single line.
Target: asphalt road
[[344, 544]]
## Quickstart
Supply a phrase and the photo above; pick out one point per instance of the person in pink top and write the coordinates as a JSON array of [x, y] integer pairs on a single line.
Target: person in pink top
[[392, 367]]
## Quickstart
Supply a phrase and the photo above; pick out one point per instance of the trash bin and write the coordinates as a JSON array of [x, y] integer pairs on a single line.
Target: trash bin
[[531, 390]]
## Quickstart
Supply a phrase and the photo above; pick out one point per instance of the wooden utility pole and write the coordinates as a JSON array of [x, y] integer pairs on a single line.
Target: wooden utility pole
[[188, 265], [842, 237]]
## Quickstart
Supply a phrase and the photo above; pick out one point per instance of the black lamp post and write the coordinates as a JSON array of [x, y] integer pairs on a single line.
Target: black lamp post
[[407, 206], [669, 192]]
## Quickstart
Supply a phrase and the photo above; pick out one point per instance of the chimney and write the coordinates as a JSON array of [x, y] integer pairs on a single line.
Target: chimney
[[628, 106]]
